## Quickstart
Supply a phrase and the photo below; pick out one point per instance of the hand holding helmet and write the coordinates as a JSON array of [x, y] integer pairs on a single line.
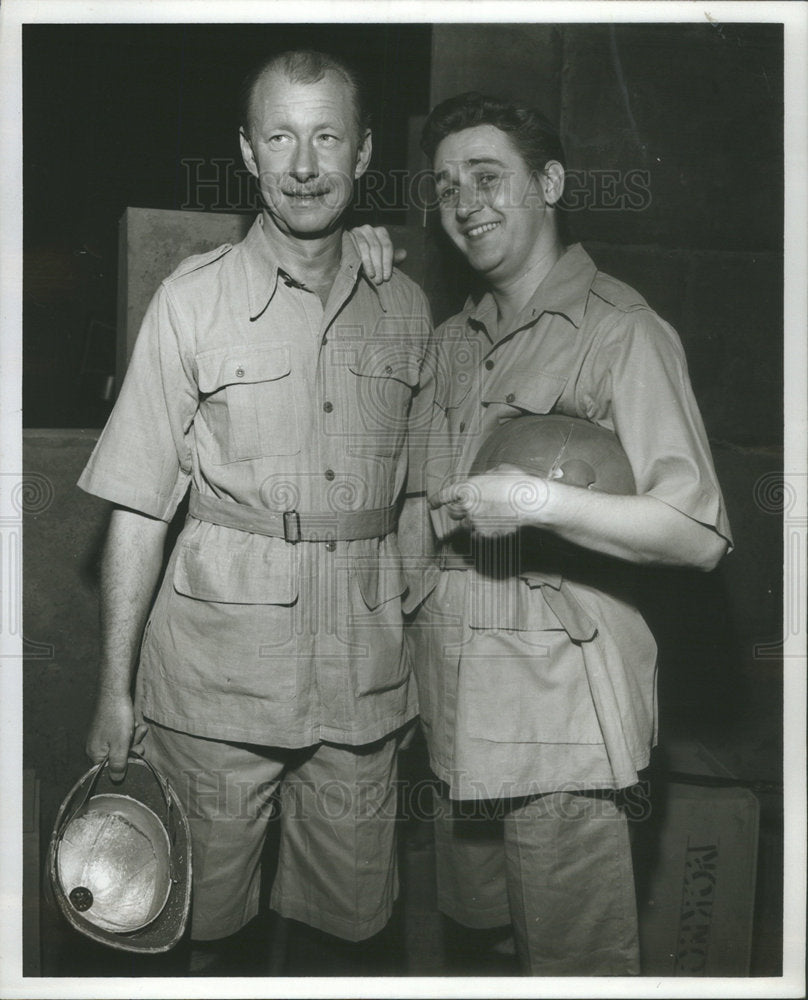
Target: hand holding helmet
[[119, 859], [509, 479], [113, 733]]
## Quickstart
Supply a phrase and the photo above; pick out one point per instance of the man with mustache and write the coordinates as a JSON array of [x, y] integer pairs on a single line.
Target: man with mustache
[[274, 380], [536, 673]]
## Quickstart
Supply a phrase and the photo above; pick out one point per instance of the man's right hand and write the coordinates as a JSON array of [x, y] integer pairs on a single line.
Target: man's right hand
[[113, 733], [130, 569]]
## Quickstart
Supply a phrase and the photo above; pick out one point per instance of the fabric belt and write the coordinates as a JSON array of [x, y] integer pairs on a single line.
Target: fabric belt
[[292, 525]]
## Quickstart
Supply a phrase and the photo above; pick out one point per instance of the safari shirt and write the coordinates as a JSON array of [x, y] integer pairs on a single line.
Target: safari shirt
[[535, 670], [242, 385]]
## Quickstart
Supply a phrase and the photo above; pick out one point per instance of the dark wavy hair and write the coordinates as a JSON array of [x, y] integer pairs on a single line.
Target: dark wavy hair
[[533, 136], [305, 66]]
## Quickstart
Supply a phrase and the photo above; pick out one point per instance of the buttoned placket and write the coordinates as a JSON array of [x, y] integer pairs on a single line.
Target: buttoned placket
[[322, 562]]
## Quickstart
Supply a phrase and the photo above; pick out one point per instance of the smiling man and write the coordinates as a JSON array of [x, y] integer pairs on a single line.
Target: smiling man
[[274, 381], [536, 672]]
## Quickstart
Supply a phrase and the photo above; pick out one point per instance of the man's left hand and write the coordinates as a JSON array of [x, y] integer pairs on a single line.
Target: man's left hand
[[377, 252]]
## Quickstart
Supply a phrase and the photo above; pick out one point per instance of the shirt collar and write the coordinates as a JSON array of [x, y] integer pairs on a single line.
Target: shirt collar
[[262, 269], [565, 290]]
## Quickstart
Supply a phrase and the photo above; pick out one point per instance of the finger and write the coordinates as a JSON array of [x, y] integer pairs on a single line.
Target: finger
[[94, 753], [464, 496], [367, 258], [446, 496], [452, 493], [399, 255], [386, 254], [118, 759], [456, 510], [140, 734]]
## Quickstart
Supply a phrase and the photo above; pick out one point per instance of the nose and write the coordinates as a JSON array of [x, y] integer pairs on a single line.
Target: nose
[[468, 201], [304, 164]]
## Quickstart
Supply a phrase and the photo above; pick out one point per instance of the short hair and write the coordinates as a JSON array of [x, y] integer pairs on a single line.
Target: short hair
[[533, 135], [305, 66]]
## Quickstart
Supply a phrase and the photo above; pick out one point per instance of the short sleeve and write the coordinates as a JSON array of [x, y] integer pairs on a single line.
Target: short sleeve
[[143, 457], [640, 388]]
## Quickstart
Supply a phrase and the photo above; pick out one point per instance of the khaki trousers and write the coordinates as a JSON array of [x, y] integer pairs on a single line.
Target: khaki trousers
[[557, 867]]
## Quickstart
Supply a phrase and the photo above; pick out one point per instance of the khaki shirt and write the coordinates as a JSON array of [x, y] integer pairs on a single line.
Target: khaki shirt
[[536, 671], [244, 386]]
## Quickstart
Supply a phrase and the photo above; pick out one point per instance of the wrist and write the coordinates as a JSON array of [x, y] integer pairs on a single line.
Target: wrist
[[533, 500], [113, 691], [556, 506]]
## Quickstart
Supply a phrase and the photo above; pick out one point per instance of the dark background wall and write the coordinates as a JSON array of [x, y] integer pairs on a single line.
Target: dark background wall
[[146, 115], [674, 144], [674, 137]]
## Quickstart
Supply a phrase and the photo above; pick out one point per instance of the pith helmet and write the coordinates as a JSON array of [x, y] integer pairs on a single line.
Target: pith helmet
[[555, 446], [119, 859]]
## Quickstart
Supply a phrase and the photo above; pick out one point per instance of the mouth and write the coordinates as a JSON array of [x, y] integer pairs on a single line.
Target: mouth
[[305, 197], [481, 230]]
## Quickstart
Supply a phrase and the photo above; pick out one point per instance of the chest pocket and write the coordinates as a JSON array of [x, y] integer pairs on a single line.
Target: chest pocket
[[457, 366], [247, 403], [384, 379], [529, 389]]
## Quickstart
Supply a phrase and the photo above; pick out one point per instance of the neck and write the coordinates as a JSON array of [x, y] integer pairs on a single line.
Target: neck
[[513, 294], [313, 262]]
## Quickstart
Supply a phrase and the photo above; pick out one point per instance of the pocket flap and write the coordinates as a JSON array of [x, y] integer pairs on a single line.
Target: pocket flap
[[226, 566], [233, 365], [531, 390], [509, 604], [382, 361], [380, 580]]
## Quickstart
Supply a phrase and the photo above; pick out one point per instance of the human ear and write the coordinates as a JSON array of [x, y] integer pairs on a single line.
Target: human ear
[[363, 155], [552, 181], [247, 153]]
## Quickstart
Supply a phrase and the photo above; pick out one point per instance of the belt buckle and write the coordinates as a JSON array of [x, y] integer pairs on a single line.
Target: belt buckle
[[291, 526]]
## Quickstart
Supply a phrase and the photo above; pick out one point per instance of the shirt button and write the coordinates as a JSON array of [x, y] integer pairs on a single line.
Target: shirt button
[[330, 546], [328, 406], [239, 372], [329, 474], [510, 397], [489, 364], [388, 369]]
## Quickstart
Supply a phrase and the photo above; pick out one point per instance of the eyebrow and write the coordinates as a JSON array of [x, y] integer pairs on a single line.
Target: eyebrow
[[473, 162], [327, 125]]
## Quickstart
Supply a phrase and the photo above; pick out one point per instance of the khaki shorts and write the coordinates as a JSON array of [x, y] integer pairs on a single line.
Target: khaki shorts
[[337, 866]]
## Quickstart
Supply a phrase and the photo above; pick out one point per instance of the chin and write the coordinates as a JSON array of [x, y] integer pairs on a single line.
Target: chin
[[309, 224], [484, 263]]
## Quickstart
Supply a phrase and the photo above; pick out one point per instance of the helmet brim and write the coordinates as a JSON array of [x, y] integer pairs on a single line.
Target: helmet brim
[[144, 786]]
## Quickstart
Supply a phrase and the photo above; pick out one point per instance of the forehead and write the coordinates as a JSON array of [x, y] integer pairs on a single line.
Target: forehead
[[479, 144], [276, 96]]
